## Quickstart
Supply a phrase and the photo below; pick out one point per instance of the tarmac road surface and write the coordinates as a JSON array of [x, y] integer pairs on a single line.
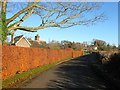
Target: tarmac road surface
[[75, 73]]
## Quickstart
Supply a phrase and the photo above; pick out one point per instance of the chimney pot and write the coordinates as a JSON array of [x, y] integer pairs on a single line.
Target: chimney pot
[[37, 37]]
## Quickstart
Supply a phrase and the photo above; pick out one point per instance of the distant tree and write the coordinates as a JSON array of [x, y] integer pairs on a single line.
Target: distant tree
[[73, 45], [114, 47], [99, 43], [66, 44], [77, 46], [119, 47], [54, 45], [29, 38], [43, 45]]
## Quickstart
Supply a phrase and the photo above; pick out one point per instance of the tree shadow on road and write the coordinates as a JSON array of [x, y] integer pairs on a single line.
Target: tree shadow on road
[[76, 74]]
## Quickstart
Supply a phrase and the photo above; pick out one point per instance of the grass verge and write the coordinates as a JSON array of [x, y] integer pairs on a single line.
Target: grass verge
[[19, 79]]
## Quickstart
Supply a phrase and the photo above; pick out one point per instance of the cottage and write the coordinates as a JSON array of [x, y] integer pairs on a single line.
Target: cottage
[[21, 41], [24, 42]]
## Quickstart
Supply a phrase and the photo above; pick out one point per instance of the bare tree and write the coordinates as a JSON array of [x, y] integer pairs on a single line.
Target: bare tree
[[57, 14]]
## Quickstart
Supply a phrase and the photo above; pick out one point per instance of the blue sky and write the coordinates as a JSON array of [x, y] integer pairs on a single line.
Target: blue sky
[[107, 30]]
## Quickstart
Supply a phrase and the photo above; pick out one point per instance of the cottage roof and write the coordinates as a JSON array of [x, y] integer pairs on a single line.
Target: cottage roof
[[34, 43], [42, 41], [18, 38]]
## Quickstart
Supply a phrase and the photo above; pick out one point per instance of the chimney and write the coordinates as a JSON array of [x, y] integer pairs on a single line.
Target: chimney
[[37, 37]]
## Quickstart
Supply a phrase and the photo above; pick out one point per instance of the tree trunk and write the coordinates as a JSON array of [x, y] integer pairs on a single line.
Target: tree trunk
[[4, 25], [12, 39]]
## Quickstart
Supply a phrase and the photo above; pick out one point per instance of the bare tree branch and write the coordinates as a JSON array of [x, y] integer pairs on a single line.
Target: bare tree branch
[[51, 10], [60, 14], [27, 15], [31, 29], [22, 11]]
